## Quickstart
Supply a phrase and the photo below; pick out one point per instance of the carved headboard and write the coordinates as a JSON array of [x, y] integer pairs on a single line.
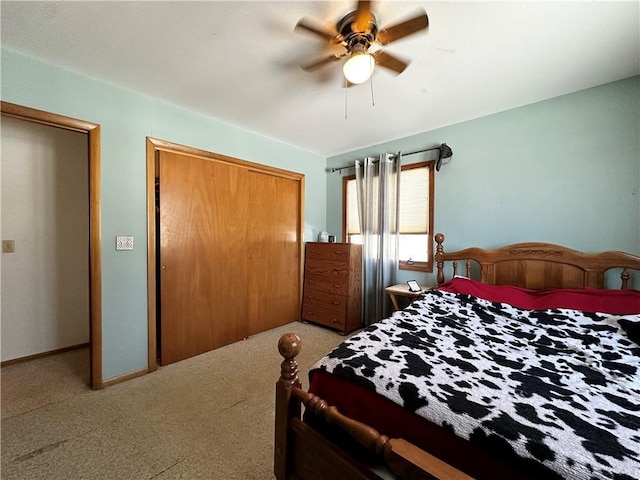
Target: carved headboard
[[537, 265]]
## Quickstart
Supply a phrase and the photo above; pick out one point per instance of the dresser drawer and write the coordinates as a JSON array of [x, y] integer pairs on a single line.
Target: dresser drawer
[[326, 300], [329, 268], [327, 251], [323, 316], [336, 285]]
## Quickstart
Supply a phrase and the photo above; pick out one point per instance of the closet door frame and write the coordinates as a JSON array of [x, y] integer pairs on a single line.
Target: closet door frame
[[154, 146], [92, 130]]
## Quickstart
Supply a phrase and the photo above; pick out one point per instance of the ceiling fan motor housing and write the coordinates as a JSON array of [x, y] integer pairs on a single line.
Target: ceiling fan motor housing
[[353, 38]]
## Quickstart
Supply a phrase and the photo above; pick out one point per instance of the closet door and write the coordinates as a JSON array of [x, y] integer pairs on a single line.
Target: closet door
[[229, 251], [203, 255], [275, 250]]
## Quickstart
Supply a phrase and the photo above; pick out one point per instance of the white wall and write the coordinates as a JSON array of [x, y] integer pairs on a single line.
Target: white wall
[[45, 209]]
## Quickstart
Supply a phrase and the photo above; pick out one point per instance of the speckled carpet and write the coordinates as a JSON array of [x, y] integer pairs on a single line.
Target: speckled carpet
[[209, 416]]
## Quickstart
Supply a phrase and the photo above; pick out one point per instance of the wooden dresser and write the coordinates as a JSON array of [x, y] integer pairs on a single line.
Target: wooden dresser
[[332, 285]]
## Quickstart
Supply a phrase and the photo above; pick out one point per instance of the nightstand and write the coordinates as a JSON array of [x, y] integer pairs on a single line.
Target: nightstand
[[402, 290]]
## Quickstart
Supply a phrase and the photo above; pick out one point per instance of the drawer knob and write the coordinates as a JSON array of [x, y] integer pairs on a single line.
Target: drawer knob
[[336, 302], [337, 285], [312, 281], [334, 320], [310, 297]]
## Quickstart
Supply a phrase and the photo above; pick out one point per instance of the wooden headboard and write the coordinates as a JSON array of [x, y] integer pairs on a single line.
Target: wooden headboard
[[537, 265]]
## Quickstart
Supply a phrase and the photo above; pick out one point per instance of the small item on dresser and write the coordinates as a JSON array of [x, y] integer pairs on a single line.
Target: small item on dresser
[[323, 237], [332, 239]]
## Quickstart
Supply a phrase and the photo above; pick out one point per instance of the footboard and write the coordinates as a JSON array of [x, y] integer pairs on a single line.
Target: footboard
[[301, 452]]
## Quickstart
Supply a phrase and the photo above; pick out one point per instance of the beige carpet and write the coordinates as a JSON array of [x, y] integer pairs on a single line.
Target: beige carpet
[[210, 416]]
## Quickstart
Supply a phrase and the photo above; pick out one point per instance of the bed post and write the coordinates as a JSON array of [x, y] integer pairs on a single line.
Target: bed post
[[289, 347], [439, 237], [624, 277]]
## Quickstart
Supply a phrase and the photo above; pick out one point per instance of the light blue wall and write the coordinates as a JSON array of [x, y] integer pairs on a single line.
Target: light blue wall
[[126, 119], [565, 170]]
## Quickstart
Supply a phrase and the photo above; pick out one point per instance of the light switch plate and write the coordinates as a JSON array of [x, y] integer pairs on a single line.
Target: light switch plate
[[8, 246], [124, 242]]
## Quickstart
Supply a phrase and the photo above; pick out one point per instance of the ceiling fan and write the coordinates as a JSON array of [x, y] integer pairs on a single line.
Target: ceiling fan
[[362, 40]]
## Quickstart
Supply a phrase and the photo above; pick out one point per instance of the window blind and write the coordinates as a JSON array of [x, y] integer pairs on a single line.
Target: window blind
[[414, 200], [353, 224], [414, 203]]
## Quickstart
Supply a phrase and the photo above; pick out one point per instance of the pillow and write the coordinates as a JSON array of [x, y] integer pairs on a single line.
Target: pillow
[[616, 302], [632, 329]]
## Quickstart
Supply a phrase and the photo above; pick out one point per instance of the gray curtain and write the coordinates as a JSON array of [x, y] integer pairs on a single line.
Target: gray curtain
[[378, 188]]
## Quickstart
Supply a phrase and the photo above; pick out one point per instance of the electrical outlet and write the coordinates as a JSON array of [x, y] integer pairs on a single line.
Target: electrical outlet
[[124, 242], [8, 246]]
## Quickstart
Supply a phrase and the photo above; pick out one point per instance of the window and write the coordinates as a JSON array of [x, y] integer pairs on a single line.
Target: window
[[416, 215]]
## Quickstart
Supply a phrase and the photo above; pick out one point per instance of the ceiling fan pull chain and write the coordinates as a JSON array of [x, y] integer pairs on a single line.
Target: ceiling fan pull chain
[[345, 98], [373, 101]]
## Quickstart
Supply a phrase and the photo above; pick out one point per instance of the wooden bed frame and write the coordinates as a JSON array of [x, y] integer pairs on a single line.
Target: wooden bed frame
[[301, 452], [537, 265]]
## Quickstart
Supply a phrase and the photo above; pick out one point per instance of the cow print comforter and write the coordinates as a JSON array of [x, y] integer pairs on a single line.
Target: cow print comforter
[[559, 386]]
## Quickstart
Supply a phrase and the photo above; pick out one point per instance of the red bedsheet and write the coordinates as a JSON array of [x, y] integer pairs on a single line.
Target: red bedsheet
[[619, 302]]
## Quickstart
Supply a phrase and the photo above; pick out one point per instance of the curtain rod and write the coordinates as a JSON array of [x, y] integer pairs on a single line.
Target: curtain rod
[[339, 169]]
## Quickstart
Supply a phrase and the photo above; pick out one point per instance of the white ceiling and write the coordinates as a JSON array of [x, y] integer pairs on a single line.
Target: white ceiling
[[239, 61]]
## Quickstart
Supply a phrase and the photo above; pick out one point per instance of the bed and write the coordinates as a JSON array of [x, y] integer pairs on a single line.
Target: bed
[[531, 371]]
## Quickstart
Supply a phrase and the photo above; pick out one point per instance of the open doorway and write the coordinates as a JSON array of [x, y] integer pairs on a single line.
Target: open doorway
[[91, 134]]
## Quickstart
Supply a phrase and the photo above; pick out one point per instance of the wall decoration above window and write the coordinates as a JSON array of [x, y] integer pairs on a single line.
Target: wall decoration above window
[[444, 155]]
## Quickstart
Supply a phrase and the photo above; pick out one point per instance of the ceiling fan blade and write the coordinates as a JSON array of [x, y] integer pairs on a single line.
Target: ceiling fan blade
[[390, 61], [305, 24], [322, 61], [403, 29], [362, 21]]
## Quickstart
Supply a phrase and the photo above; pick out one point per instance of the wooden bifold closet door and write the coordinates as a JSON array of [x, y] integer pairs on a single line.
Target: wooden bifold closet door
[[229, 252]]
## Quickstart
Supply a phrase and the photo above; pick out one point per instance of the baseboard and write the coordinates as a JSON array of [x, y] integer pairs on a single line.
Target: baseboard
[[44, 354], [124, 378]]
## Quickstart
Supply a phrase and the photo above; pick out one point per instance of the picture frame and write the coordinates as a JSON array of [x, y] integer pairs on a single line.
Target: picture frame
[[414, 286]]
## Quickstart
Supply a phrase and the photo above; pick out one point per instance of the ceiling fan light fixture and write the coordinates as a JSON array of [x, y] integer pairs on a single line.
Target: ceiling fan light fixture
[[359, 67]]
